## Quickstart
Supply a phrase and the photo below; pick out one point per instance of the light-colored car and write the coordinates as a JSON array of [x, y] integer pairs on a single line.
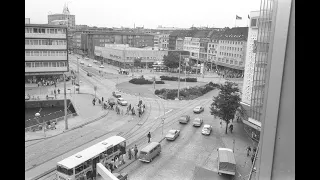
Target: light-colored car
[[82, 62], [122, 102], [89, 65], [206, 130], [173, 134], [95, 61], [101, 66], [184, 119], [116, 94], [86, 58], [197, 122], [198, 109]]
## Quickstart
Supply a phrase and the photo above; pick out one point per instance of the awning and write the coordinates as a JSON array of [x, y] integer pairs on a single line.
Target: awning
[[253, 123]]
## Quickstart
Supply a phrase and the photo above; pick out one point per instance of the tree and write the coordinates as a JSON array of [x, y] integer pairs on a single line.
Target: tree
[[171, 60], [226, 103], [137, 62]]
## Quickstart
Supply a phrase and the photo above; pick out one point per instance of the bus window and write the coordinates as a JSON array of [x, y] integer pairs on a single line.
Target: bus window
[[87, 164], [123, 147], [110, 151], [79, 168], [115, 148], [66, 171]]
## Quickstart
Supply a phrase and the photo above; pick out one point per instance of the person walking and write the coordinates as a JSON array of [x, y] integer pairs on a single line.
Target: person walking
[[129, 154], [135, 151], [231, 127], [220, 123], [252, 158], [149, 137], [58, 91], [102, 99], [248, 151]]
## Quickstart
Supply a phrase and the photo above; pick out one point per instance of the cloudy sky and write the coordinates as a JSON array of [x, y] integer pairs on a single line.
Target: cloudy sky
[[147, 13]]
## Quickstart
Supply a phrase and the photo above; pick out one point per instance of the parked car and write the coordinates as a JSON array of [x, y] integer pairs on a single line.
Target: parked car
[[197, 122], [101, 66], [89, 65], [184, 119], [116, 94], [95, 61], [122, 102], [82, 62], [173, 134], [198, 109], [206, 130]]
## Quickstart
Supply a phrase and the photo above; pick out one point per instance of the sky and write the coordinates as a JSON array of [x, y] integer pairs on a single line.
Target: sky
[[147, 13]]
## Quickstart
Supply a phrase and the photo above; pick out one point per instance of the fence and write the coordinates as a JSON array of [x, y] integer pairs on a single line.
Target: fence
[[36, 127]]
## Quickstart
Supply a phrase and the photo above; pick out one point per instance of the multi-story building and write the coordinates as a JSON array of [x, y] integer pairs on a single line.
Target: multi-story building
[[172, 45], [179, 43], [45, 49], [100, 39], [65, 16], [163, 41], [232, 48], [122, 55]]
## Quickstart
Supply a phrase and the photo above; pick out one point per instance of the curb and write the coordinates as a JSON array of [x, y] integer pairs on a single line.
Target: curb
[[81, 125]]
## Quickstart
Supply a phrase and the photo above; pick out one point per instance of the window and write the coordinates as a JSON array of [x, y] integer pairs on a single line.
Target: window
[[110, 151], [28, 53], [78, 169], [227, 60], [240, 63], [45, 64], [36, 53], [51, 31], [236, 62], [253, 23], [115, 148], [35, 42], [26, 42], [28, 64], [60, 53], [43, 31], [56, 31], [54, 64], [231, 61], [63, 170], [35, 30], [52, 53], [87, 164], [240, 49], [45, 53]]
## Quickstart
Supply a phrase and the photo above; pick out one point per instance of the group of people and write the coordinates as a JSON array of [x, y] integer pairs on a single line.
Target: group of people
[[133, 152], [253, 153], [229, 73]]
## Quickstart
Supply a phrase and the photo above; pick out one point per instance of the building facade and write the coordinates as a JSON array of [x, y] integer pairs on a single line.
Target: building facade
[[45, 49], [123, 55], [179, 43], [27, 20], [164, 41]]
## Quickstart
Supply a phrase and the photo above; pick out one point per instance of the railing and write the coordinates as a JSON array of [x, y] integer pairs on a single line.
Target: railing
[[36, 127]]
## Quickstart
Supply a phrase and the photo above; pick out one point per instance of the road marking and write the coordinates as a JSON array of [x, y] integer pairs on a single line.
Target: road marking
[[168, 111]]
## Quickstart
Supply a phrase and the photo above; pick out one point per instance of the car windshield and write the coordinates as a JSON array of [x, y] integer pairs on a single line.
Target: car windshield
[[172, 132], [183, 117], [143, 153], [197, 120], [206, 127]]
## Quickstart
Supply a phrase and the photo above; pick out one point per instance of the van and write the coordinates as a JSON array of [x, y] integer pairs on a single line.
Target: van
[[148, 153], [226, 161]]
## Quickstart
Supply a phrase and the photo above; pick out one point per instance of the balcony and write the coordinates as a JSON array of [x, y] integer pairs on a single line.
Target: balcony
[[45, 58], [45, 69], [41, 35], [46, 47]]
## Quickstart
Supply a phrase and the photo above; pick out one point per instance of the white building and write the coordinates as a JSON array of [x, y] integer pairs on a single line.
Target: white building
[[250, 58], [45, 49]]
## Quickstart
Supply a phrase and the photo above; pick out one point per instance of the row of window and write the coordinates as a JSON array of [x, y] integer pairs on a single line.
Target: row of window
[[45, 30], [143, 58], [231, 61], [45, 53], [230, 54], [46, 64], [232, 42], [231, 48], [45, 42]]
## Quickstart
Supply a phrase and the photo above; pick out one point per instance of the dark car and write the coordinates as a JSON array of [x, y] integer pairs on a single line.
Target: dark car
[[184, 119], [122, 176], [111, 101], [116, 94]]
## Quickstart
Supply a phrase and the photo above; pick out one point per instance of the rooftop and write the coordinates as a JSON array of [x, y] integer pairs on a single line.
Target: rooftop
[[235, 34], [45, 25]]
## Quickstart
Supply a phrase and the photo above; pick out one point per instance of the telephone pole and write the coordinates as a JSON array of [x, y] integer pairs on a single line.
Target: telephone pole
[[179, 77]]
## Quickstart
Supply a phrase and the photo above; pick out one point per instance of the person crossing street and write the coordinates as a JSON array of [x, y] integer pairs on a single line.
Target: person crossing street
[[149, 137]]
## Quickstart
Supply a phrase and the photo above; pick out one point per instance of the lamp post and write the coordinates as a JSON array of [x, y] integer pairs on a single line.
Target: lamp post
[[78, 75], [65, 103], [179, 77]]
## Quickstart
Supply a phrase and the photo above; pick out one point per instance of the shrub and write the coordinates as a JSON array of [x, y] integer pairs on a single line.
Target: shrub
[[156, 92], [172, 94], [140, 81], [191, 79], [159, 82]]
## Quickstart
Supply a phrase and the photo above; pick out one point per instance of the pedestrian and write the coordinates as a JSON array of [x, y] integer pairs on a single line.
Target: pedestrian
[[129, 154], [220, 124], [102, 99], [129, 106], [55, 92], [123, 158], [58, 91], [149, 137], [248, 150], [254, 150], [252, 158], [93, 102], [116, 162], [231, 127], [135, 151]]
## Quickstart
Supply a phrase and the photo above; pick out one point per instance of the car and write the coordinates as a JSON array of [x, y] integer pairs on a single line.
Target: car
[[172, 134], [111, 101], [95, 61], [89, 65], [86, 58], [122, 102], [121, 176], [82, 62], [197, 122], [206, 130], [101, 66], [184, 119], [116, 94], [198, 109], [26, 97]]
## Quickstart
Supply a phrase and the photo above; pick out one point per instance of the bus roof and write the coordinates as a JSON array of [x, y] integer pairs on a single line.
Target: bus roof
[[90, 152], [226, 155], [150, 146]]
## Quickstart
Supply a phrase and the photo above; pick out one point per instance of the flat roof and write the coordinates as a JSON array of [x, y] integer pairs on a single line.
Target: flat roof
[[226, 155], [86, 154], [150, 146], [45, 25]]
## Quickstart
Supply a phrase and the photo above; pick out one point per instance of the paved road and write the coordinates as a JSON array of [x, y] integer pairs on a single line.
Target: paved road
[[43, 155]]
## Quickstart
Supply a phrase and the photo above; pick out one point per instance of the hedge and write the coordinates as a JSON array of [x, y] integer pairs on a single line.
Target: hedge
[[141, 80], [172, 78]]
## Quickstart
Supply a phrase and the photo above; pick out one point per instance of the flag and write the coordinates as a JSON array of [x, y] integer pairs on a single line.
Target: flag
[[248, 16], [238, 17]]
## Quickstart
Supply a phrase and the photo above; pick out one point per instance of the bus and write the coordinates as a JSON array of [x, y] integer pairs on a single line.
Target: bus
[[83, 165]]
